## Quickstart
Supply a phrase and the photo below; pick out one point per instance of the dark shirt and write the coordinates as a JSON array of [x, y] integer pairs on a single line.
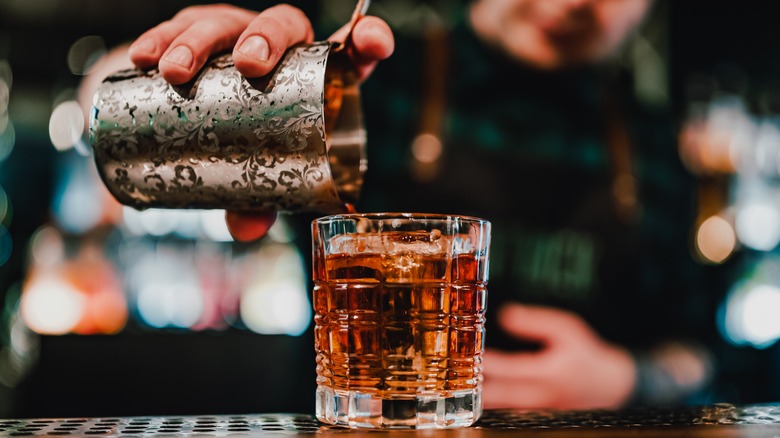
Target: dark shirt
[[528, 151]]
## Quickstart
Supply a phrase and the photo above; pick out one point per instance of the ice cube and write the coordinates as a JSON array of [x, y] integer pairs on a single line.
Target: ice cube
[[391, 243], [357, 243]]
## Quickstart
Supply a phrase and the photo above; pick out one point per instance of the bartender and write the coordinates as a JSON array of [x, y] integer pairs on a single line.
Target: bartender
[[594, 297]]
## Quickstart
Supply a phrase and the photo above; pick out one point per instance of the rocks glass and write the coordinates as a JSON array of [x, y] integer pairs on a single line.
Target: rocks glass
[[399, 304]]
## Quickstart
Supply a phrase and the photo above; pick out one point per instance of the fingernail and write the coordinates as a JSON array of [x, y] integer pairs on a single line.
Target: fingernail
[[255, 47], [181, 56], [146, 46]]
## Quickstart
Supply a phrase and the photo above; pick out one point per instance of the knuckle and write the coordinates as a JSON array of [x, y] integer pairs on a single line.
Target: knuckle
[[190, 42], [188, 13], [274, 31], [291, 16], [167, 23], [198, 11], [288, 10], [166, 30], [575, 323], [206, 30], [270, 27], [207, 34]]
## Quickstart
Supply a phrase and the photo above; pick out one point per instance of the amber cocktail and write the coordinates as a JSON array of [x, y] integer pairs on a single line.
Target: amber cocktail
[[399, 305]]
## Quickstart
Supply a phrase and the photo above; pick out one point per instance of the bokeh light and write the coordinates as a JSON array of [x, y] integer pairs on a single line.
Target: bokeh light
[[170, 304], [5, 97], [275, 299], [7, 140], [5, 208], [187, 224], [154, 221], [21, 351], [765, 152], [105, 313], [166, 286], [6, 245], [66, 125], [281, 231], [275, 308], [758, 225], [426, 148], [214, 226], [751, 315], [47, 248], [712, 139], [715, 239], [6, 74], [82, 280], [7, 132], [84, 52], [51, 306], [78, 204]]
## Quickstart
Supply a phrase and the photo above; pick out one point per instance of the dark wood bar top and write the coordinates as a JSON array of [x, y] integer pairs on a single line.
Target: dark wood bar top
[[720, 420]]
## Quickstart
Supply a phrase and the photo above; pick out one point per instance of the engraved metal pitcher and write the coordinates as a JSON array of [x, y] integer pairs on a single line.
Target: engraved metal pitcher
[[290, 141]]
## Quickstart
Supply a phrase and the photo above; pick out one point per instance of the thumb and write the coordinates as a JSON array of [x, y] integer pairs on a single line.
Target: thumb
[[372, 40], [540, 324]]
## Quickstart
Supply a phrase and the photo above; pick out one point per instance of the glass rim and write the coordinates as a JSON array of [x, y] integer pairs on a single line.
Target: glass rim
[[401, 215]]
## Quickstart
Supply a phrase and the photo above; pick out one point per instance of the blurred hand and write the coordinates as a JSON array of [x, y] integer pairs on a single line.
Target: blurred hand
[[181, 46], [575, 368]]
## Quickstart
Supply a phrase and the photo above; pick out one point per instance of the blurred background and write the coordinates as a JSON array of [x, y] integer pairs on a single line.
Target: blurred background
[[161, 312]]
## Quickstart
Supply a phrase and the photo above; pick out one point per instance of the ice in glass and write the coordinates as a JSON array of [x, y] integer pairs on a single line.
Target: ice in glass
[[399, 305]]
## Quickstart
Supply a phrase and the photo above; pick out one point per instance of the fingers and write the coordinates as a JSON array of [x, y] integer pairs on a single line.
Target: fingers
[[149, 47], [246, 227], [503, 365], [521, 394], [190, 50], [266, 38], [183, 44], [542, 324], [372, 40]]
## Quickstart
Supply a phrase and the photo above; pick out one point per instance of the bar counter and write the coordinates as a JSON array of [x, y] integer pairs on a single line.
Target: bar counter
[[719, 420]]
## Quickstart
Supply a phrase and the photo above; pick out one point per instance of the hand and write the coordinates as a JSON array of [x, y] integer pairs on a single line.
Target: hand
[[181, 45], [575, 368]]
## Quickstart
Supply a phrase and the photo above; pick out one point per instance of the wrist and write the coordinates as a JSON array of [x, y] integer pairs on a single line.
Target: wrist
[[669, 373]]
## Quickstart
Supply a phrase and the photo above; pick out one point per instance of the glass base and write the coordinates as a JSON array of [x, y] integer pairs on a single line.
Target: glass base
[[368, 410]]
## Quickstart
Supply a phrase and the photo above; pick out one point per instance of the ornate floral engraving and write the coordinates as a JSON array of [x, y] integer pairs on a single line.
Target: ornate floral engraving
[[221, 141]]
